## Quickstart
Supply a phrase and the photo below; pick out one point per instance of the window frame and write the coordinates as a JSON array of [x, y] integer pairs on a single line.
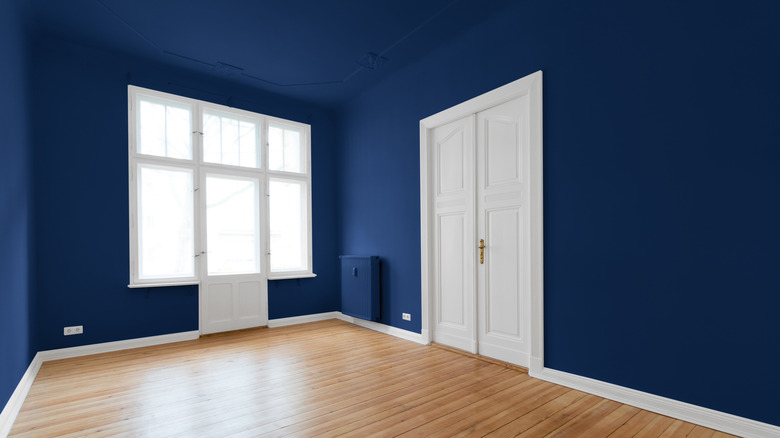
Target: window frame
[[199, 169]]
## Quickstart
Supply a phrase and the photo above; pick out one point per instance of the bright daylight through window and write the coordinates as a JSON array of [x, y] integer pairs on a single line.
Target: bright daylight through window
[[203, 201]]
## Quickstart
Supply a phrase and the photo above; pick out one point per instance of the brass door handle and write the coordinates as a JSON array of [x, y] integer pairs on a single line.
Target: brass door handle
[[481, 251]]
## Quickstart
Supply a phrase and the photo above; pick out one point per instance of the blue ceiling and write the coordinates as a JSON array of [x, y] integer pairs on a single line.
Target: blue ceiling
[[321, 51]]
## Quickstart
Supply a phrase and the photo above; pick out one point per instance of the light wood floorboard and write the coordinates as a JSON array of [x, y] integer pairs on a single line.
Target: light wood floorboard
[[326, 378]]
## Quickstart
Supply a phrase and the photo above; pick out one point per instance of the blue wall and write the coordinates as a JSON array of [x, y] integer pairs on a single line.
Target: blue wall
[[661, 180], [661, 190], [80, 141], [15, 208]]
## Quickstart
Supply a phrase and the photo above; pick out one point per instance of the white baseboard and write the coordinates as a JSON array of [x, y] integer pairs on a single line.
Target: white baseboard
[[676, 409], [14, 405], [536, 366], [11, 410], [85, 350], [386, 329], [281, 322]]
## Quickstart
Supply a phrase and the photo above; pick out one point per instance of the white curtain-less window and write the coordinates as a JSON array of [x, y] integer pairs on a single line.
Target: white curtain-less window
[[247, 208]]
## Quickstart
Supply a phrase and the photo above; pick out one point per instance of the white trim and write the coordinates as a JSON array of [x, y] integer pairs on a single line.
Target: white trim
[[676, 409], [426, 307], [293, 320], [105, 347], [419, 338], [386, 329], [291, 276], [14, 405], [142, 285], [536, 335]]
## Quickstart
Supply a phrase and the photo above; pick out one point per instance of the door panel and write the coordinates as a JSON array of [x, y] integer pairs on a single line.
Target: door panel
[[453, 289], [453, 279], [450, 162], [249, 302], [503, 309], [502, 150], [219, 300], [503, 287]]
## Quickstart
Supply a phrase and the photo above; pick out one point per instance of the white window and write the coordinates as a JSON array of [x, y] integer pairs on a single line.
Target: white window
[[247, 209]]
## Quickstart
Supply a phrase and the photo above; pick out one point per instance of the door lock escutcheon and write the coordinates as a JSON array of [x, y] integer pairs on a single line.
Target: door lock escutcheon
[[481, 251]]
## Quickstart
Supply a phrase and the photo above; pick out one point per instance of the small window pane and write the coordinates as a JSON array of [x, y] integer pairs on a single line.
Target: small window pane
[[212, 139], [233, 225], [166, 245], [229, 141], [164, 129], [247, 144], [288, 225], [275, 148], [284, 149]]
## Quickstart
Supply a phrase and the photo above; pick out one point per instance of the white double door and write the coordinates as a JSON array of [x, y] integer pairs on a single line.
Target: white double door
[[234, 288], [480, 199]]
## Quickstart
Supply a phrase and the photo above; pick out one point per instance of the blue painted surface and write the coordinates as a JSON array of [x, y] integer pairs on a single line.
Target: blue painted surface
[[265, 43], [15, 208], [662, 189], [661, 183], [80, 105]]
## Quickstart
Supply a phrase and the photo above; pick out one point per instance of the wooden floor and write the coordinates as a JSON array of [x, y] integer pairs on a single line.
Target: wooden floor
[[327, 378]]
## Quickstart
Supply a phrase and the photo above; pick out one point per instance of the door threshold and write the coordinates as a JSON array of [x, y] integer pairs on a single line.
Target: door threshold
[[480, 357]]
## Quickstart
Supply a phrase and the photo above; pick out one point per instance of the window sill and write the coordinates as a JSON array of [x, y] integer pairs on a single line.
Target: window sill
[[290, 276], [193, 283], [179, 283]]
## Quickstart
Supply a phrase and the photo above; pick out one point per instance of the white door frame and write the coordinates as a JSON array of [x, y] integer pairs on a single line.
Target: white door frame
[[530, 85]]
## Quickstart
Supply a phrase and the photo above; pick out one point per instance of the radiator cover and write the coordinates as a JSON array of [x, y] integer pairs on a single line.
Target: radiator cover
[[360, 286]]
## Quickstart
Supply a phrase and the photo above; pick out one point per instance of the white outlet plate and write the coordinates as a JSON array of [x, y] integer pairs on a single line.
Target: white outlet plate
[[407, 316], [74, 330]]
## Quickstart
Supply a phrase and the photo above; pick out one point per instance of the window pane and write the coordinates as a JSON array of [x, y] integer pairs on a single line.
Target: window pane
[[229, 141], [164, 130], [233, 225], [284, 149], [275, 148], [247, 144], [288, 225], [212, 139], [166, 245]]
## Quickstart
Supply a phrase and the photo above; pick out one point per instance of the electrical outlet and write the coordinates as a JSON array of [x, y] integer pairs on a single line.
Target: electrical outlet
[[407, 316], [74, 330]]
